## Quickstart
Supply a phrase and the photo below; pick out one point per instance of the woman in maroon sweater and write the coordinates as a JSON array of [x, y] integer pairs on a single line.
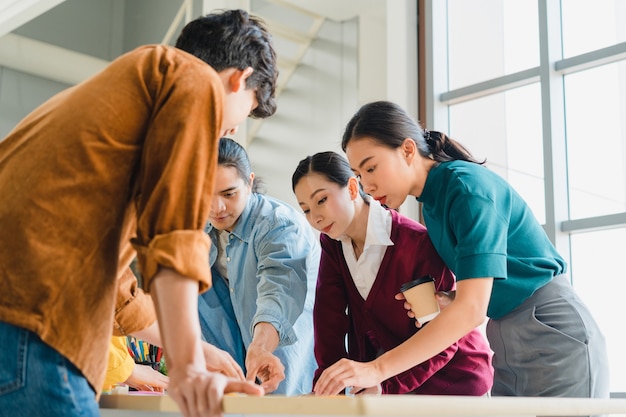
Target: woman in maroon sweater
[[368, 252]]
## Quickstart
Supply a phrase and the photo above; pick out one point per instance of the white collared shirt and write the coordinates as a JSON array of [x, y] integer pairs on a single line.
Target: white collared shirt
[[377, 238]]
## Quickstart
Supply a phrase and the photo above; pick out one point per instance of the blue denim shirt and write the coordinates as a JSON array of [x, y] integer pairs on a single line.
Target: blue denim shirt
[[272, 261]]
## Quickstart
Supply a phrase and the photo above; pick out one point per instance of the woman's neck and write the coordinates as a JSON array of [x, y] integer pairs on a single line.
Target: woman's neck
[[358, 228], [422, 167]]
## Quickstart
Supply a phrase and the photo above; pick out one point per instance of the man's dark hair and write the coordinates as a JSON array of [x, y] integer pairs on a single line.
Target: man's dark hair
[[234, 39], [232, 154]]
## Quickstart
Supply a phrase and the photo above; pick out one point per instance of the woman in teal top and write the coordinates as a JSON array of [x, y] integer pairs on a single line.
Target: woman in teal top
[[545, 341]]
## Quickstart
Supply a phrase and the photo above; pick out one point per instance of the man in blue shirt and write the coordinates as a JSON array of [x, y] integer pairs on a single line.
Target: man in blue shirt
[[264, 261]]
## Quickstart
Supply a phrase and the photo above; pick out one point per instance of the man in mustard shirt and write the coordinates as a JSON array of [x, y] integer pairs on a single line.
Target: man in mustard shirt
[[119, 166]]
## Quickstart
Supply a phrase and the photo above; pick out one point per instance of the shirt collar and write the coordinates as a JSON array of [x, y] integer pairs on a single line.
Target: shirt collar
[[430, 190], [378, 226]]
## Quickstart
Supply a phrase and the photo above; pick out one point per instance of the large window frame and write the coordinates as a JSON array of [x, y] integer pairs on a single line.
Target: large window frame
[[435, 99]]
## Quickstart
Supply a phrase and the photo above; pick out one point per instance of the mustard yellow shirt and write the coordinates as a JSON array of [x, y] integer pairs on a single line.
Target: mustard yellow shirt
[[129, 153], [120, 364]]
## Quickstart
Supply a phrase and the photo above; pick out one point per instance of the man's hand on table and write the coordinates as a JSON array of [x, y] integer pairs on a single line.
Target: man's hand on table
[[266, 367], [199, 393]]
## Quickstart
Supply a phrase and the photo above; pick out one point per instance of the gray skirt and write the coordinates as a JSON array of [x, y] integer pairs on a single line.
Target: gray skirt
[[549, 346]]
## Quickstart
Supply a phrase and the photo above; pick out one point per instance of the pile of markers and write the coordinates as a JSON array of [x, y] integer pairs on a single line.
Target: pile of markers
[[146, 354]]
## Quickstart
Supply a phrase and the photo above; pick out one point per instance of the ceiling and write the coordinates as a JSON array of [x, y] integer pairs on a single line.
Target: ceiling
[[14, 13], [294, 24]]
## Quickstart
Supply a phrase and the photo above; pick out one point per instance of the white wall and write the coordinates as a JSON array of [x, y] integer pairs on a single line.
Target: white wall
[[312, 111], [366, 51]]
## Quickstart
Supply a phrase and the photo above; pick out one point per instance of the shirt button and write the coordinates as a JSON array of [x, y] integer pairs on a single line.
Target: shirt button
[[228, 259], [230, 236]]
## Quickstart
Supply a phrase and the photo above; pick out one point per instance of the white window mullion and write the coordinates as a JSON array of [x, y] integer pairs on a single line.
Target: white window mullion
[[553, 124], [436, 32]]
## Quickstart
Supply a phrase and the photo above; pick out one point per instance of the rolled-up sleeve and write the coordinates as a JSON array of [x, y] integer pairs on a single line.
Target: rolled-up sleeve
[[177, 170], [134, 309], [178, 250]]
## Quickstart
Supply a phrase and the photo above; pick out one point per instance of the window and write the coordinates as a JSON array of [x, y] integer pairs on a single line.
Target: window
[[590, 26], [595, 105], [602, 288], [488, 45], [539, 90]]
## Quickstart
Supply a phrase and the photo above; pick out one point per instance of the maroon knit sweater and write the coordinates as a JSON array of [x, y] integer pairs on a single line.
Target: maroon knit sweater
[[380, 323]]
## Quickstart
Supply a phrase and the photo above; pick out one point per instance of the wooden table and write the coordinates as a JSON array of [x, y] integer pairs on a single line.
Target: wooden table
[[375, 406]]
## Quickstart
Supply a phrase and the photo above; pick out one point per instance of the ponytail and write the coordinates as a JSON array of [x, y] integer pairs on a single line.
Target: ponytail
[[444, 149]]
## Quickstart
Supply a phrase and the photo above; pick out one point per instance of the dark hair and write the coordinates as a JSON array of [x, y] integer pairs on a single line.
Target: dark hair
[[234, 39], [232, 154], [329, 164], [390, 125]]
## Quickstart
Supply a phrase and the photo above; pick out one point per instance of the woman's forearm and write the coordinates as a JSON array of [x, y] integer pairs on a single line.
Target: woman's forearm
[[461, 316]]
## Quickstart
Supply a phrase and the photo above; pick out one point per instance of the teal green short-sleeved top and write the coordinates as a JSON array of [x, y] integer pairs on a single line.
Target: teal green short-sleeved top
[[481, 227]]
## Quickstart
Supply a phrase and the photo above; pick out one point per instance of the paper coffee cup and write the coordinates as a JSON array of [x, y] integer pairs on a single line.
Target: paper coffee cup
[[420, 293]]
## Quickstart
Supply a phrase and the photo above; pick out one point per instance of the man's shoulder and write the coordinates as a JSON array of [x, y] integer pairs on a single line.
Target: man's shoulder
[[269, 213], [162, 59], [162, 67], [144, 51]]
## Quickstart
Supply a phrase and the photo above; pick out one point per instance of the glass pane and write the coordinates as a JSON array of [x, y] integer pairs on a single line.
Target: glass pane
[[592, 25], [505, 129], [595, 105], [490, 38], [602, 288]]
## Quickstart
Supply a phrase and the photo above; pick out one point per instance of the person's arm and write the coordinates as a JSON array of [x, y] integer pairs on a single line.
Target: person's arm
[[465, 313], [217, 360], [260, 360], [150, 334], [426, 262], [144, 378], [195, 389], [282, 286], [282, 276], [412, 378]]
